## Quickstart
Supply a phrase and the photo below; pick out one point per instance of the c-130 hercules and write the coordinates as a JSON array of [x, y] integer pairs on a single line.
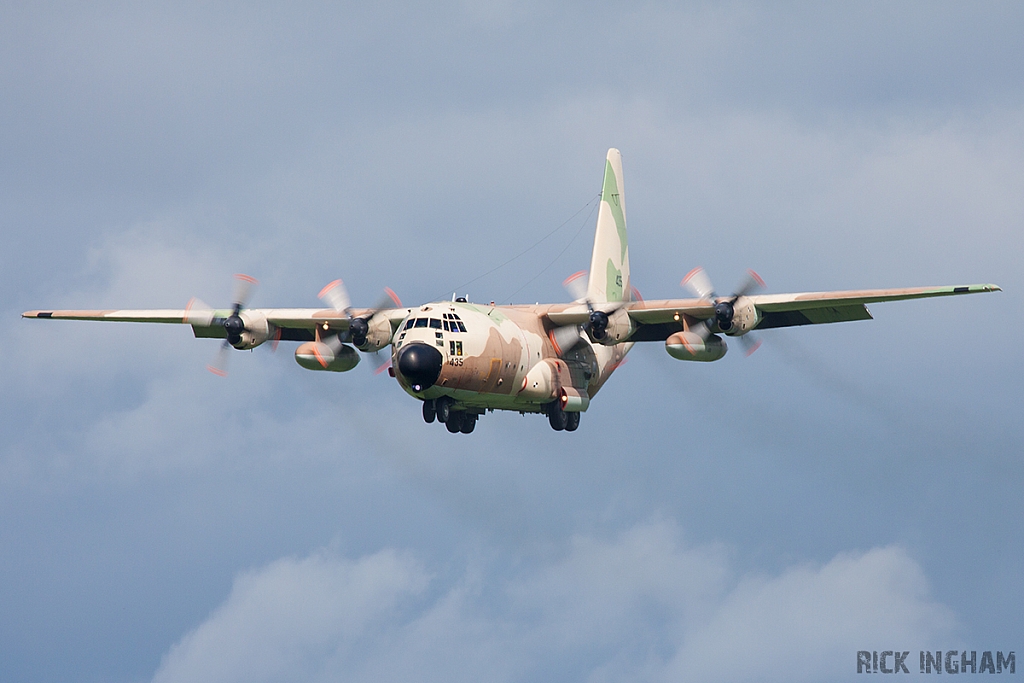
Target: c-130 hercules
[[462, 360]]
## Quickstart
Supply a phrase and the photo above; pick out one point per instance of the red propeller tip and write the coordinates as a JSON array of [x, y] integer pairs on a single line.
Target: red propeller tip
[[217, 371], [756, 277], [574, 277], [246, 278], [394, 297], [690, 275], [327, 288]]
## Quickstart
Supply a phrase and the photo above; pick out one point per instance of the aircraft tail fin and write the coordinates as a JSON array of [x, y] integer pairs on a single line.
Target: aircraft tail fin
[[609, 264]]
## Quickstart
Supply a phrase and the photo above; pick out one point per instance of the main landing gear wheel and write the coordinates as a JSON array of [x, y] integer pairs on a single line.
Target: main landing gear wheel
[[428, 410], [572, 421], [557, 417], [468, 423], [454, 422], [443, 408]]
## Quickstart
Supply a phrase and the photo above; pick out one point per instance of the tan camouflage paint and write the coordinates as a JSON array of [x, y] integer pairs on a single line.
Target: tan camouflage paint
[[503, 343]]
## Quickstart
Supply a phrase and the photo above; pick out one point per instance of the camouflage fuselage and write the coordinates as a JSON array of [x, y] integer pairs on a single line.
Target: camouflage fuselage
[[487, 365]]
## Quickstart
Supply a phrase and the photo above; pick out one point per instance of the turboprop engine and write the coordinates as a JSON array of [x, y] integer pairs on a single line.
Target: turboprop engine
[[692, 346], [610, 328], [370, 334], [246, 330], [318, 355], [736, 317]]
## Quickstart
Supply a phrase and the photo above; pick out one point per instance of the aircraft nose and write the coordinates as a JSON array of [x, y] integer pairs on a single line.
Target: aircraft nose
[[420, 364]]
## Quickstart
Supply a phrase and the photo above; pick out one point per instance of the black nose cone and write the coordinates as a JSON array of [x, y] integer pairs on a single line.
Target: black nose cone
[[420, 364]]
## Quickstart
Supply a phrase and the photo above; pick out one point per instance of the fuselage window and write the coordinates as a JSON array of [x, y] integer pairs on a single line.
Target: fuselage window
[[421, 322], [435, 323]]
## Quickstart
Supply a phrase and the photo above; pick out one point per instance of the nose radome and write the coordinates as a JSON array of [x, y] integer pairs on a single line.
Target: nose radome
[[420, 364]]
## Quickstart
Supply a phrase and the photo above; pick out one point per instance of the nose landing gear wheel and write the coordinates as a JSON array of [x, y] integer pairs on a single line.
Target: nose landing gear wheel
[[572, 421], [428, 411]]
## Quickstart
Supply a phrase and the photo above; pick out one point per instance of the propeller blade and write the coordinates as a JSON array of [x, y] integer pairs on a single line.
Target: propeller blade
[[576, 285], [244, 284], [751, 284], [392, 299], [380, 362], [387, 300], [219, 365], [564, 338], [750, 344], [336, 296], [702, 329], [198, 313], [698, 282], [275, 341]]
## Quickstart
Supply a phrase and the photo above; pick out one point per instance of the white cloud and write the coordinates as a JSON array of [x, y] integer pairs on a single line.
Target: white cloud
[[283, 621], [640, 606]]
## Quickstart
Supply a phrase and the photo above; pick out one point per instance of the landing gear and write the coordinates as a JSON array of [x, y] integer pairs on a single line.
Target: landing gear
[[443, 408], [572, 421], [454, 421], [557, 418], [429, 411]]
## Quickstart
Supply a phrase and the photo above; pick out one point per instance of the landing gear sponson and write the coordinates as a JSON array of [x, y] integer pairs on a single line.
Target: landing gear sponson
[[464, 421]]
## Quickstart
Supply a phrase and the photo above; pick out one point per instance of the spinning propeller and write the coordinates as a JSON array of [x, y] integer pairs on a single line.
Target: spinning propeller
[[567, 336], [335, 295], [698, 282], [199, 314]]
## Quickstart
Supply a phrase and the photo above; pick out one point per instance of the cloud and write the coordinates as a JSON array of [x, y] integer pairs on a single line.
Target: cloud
[[642, 605], [280, 621]]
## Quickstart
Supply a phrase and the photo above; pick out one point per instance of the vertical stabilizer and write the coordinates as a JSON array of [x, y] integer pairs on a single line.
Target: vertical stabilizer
[[609, 265]]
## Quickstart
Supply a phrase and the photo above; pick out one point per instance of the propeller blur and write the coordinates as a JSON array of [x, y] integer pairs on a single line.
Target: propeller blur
[[462, 360]]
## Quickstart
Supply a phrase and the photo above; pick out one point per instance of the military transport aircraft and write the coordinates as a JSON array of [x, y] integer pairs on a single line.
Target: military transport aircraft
[[462, 359]]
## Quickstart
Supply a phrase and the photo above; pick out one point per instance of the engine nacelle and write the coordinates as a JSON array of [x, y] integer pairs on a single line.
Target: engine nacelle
[[690, 346], [378, 334], [745, 317], [257, 330], [319, 356], [620, 326]]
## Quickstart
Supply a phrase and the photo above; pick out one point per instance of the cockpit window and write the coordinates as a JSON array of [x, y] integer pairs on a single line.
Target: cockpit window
[[435, 323], [409, 323], [421, 322], [462, 327]]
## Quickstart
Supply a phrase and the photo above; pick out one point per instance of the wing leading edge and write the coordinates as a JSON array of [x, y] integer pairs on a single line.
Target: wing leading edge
[[297, 324], [657, 319]]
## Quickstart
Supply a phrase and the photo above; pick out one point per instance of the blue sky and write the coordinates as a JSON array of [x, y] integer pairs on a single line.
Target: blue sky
[[847, 487]]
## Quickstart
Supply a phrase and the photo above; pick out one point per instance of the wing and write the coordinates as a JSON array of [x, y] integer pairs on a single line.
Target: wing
[[296, 324], [656, 320], [813, 308]]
